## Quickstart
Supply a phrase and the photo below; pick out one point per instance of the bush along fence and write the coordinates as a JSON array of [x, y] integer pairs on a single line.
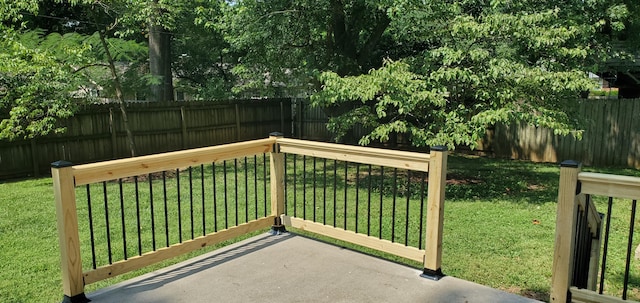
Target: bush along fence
[[590, 245], [121, 215], [611, 135]]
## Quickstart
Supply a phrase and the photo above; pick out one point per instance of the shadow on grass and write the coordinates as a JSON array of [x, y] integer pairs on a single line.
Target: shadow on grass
[[484, 179]]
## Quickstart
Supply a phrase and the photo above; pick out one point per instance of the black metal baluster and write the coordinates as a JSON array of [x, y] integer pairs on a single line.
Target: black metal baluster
[[246, 191], [335, 190], [393, 208], [304, 187], [215, 197], [122, 216], [135, 181], [166, 207], [582, 247], [369, 202], [255, 182], [295, 191], [226, 199], [346, 179], [406, 218], [606, 245], [93, 242], [629, 248], [422, 218], [264, 172], [235, 178], [106, 219], [314, 188], [357, 194], [204, 221], [381, 196], [153, 220], [179, 206], [324, 192], [286, 186], [191, 201]]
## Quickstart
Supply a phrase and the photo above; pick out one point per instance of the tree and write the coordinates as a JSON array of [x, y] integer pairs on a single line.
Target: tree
[[475, 64], [34, 88], [287, 43], [40, 82]]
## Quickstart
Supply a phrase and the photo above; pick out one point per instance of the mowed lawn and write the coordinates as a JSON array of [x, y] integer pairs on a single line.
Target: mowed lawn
[[499, 230]]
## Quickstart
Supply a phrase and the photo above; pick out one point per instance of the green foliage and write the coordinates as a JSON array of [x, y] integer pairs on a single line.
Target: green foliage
[[34, 87], [479, 65], [287, 43], [13, 10], [43, 77]]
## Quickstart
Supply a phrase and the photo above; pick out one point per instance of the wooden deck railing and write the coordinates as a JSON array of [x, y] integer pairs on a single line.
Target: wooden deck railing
[[582, 245], [137, 209]]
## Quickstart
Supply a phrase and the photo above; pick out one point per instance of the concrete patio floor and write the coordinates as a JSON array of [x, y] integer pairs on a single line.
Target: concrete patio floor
[[292, 268]]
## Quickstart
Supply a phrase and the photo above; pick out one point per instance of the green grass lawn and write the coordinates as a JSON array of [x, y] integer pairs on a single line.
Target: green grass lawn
[[499, 228]]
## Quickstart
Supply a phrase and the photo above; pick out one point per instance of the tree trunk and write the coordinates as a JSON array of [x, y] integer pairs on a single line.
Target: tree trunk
[[160, 63], [119, 95]]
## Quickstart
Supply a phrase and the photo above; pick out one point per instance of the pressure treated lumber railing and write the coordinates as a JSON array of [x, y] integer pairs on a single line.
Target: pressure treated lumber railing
[[583, 251], [139, 211], [398, 239]]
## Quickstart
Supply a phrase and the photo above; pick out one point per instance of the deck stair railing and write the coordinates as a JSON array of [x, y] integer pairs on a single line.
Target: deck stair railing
[[118, 216], [591, 247]]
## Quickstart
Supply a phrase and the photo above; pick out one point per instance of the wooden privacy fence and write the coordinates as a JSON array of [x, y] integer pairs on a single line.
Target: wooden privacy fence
[[593, 258], [611, 137], [97, 133], [121, 215]]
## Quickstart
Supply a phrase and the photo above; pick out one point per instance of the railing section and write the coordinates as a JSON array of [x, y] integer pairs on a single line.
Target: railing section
[[593, 251], [118, 216], [371, 197]]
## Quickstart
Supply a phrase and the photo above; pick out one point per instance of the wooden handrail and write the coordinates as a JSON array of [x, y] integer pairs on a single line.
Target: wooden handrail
[[358, 154], [110, 170], [610, 185]]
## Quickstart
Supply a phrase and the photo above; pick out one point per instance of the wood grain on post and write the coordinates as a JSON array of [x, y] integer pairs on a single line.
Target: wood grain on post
[[435, 212], [565, 232], [276, 165], [69, 240]]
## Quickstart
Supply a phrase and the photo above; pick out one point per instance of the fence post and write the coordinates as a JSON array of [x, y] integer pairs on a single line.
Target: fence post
[[435, 213], [183, 127], [68, 238], [237, 109], [34, 159], [276, 165], [114, 138], [562, 269]]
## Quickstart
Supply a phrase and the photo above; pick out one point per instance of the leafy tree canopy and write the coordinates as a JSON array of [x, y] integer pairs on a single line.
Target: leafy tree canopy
[[474, 64], [43, 71]]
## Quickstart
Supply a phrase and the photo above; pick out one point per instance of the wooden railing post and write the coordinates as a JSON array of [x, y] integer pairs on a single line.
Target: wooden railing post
[[68, 238], [562, 269], [276, 165], [435, 213]]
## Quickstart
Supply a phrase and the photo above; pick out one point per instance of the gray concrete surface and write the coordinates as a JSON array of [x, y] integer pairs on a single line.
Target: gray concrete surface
[[291, 268]]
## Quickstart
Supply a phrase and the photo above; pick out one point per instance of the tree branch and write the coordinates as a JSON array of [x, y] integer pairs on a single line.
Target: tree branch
[[90, 65], [374, 38]]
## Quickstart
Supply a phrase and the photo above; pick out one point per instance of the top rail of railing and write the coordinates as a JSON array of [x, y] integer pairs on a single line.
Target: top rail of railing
[[609, 185], [365, 155], [110, 170]]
